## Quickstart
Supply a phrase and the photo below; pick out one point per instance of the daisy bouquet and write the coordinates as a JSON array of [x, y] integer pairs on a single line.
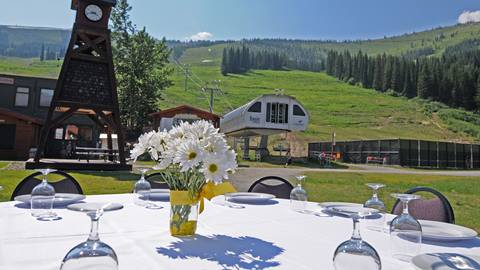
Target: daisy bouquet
[[194, 159]]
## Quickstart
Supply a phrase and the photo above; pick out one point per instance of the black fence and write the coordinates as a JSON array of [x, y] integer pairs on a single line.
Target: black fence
[[409, 153]]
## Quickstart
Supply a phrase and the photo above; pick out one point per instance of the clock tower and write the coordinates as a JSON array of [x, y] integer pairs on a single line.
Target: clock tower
[[87, 84]]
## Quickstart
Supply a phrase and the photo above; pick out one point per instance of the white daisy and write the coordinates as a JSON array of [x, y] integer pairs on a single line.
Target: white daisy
[[213, 169], [188, 155]]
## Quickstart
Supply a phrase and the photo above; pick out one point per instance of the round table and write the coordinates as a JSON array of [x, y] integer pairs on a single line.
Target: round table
[[256, 237]]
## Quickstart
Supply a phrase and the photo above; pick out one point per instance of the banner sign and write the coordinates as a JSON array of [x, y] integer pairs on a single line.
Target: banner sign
[[5, 80]]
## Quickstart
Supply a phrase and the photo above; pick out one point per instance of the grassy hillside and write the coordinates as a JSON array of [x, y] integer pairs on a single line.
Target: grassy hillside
[[438, 39], [30, 67], [352, 112]]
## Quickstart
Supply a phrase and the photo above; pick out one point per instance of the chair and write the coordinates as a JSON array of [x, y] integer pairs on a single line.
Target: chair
[[436, 209], [67, 184], [156, 181], [274, 185]]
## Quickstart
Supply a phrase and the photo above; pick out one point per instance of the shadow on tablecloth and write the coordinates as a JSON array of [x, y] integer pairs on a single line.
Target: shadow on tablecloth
[[243, 252]]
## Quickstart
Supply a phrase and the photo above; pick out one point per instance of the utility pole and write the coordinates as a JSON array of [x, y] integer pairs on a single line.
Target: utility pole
[[213, 90], [186, 72]]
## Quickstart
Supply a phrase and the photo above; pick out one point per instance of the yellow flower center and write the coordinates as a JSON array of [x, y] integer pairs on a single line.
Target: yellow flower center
[[212, 168], [192, 155]]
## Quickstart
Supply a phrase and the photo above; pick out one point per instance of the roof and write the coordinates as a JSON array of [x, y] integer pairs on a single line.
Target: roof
[[184, 109], [21, 116], [109, 2]]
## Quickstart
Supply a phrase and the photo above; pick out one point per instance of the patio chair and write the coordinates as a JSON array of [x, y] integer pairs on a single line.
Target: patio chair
[[274, 185], [156, 181], [66, 184], [437, 208]]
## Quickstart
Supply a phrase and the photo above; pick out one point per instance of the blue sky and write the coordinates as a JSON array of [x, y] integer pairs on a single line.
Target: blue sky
[[236, 19]]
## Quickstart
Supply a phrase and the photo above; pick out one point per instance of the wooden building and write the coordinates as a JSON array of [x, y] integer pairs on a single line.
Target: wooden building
[[24, 103], [168, 118]]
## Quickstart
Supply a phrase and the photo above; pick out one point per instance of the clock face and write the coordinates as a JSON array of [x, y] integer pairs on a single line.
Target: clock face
[[93, 13]]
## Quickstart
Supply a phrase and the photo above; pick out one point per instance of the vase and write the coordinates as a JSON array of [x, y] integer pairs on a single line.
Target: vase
[[184, 210]]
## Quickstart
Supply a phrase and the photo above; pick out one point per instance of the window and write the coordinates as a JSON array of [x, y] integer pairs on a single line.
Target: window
[[59, 134], [7, 137], [85, 134], [46, 96], [257, 107], [277, 113], [21, 97], [298, 111]]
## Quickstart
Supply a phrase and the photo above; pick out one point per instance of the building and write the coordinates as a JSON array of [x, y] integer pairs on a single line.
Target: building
[[403, 152], [168, 118], [266, 115], [24, 103]]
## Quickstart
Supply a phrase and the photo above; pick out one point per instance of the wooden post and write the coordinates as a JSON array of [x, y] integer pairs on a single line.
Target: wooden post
[[418, 151], [110, 143]]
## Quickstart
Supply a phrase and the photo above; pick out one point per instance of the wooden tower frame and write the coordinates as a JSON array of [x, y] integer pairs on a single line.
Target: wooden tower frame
[[87, 83]]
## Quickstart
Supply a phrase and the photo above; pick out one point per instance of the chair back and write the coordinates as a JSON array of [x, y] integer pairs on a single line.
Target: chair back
[[274, 185], [437, 208], [66, 184], [156, 181]]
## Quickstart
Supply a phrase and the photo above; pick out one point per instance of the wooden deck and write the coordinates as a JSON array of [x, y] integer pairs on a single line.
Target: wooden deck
[[75, 165]]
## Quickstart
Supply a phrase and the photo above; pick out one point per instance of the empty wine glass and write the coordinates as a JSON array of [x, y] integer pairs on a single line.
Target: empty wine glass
[[93, 253], [42, 198], [405, 231], [228, 203], [298, 196], [142, 191], [356, 252], [378, 222]]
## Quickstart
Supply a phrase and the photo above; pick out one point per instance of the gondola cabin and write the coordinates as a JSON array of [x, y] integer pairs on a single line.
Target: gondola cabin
[[266, 115]]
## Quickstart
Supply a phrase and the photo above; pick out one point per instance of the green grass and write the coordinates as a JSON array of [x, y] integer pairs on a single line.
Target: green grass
[[4, 164], [30, 67], [91, 182], [462, 192]]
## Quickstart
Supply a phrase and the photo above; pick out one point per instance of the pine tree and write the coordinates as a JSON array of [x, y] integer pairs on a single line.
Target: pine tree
[[424, 85], [388, 73], [469, 90], [378, 74], [397, 76], [42, 53], [477, 94], [224, 67]]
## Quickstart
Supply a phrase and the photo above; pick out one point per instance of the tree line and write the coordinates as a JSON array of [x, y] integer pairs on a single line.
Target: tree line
[[452, 79], [241, 59]]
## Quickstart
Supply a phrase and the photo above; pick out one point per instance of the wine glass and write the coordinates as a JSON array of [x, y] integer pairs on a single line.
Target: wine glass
[[93, 253], [378, 221], [405, 231], [42, 198], [298, 196], [142, 191], [356, 251], [228, 203]]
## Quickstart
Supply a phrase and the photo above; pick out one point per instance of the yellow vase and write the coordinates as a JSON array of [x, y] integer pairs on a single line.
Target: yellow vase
[[183, 213]]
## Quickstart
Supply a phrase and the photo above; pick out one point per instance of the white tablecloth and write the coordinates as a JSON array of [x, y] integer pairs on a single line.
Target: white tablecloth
[[256, 237]]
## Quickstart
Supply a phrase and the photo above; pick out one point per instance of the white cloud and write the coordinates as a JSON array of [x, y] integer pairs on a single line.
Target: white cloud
[[201, 36], [469, 16]]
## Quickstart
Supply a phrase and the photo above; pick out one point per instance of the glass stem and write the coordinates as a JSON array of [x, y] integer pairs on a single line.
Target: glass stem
[[405, 207], [94, 229], [44, 180], [356, 230]]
